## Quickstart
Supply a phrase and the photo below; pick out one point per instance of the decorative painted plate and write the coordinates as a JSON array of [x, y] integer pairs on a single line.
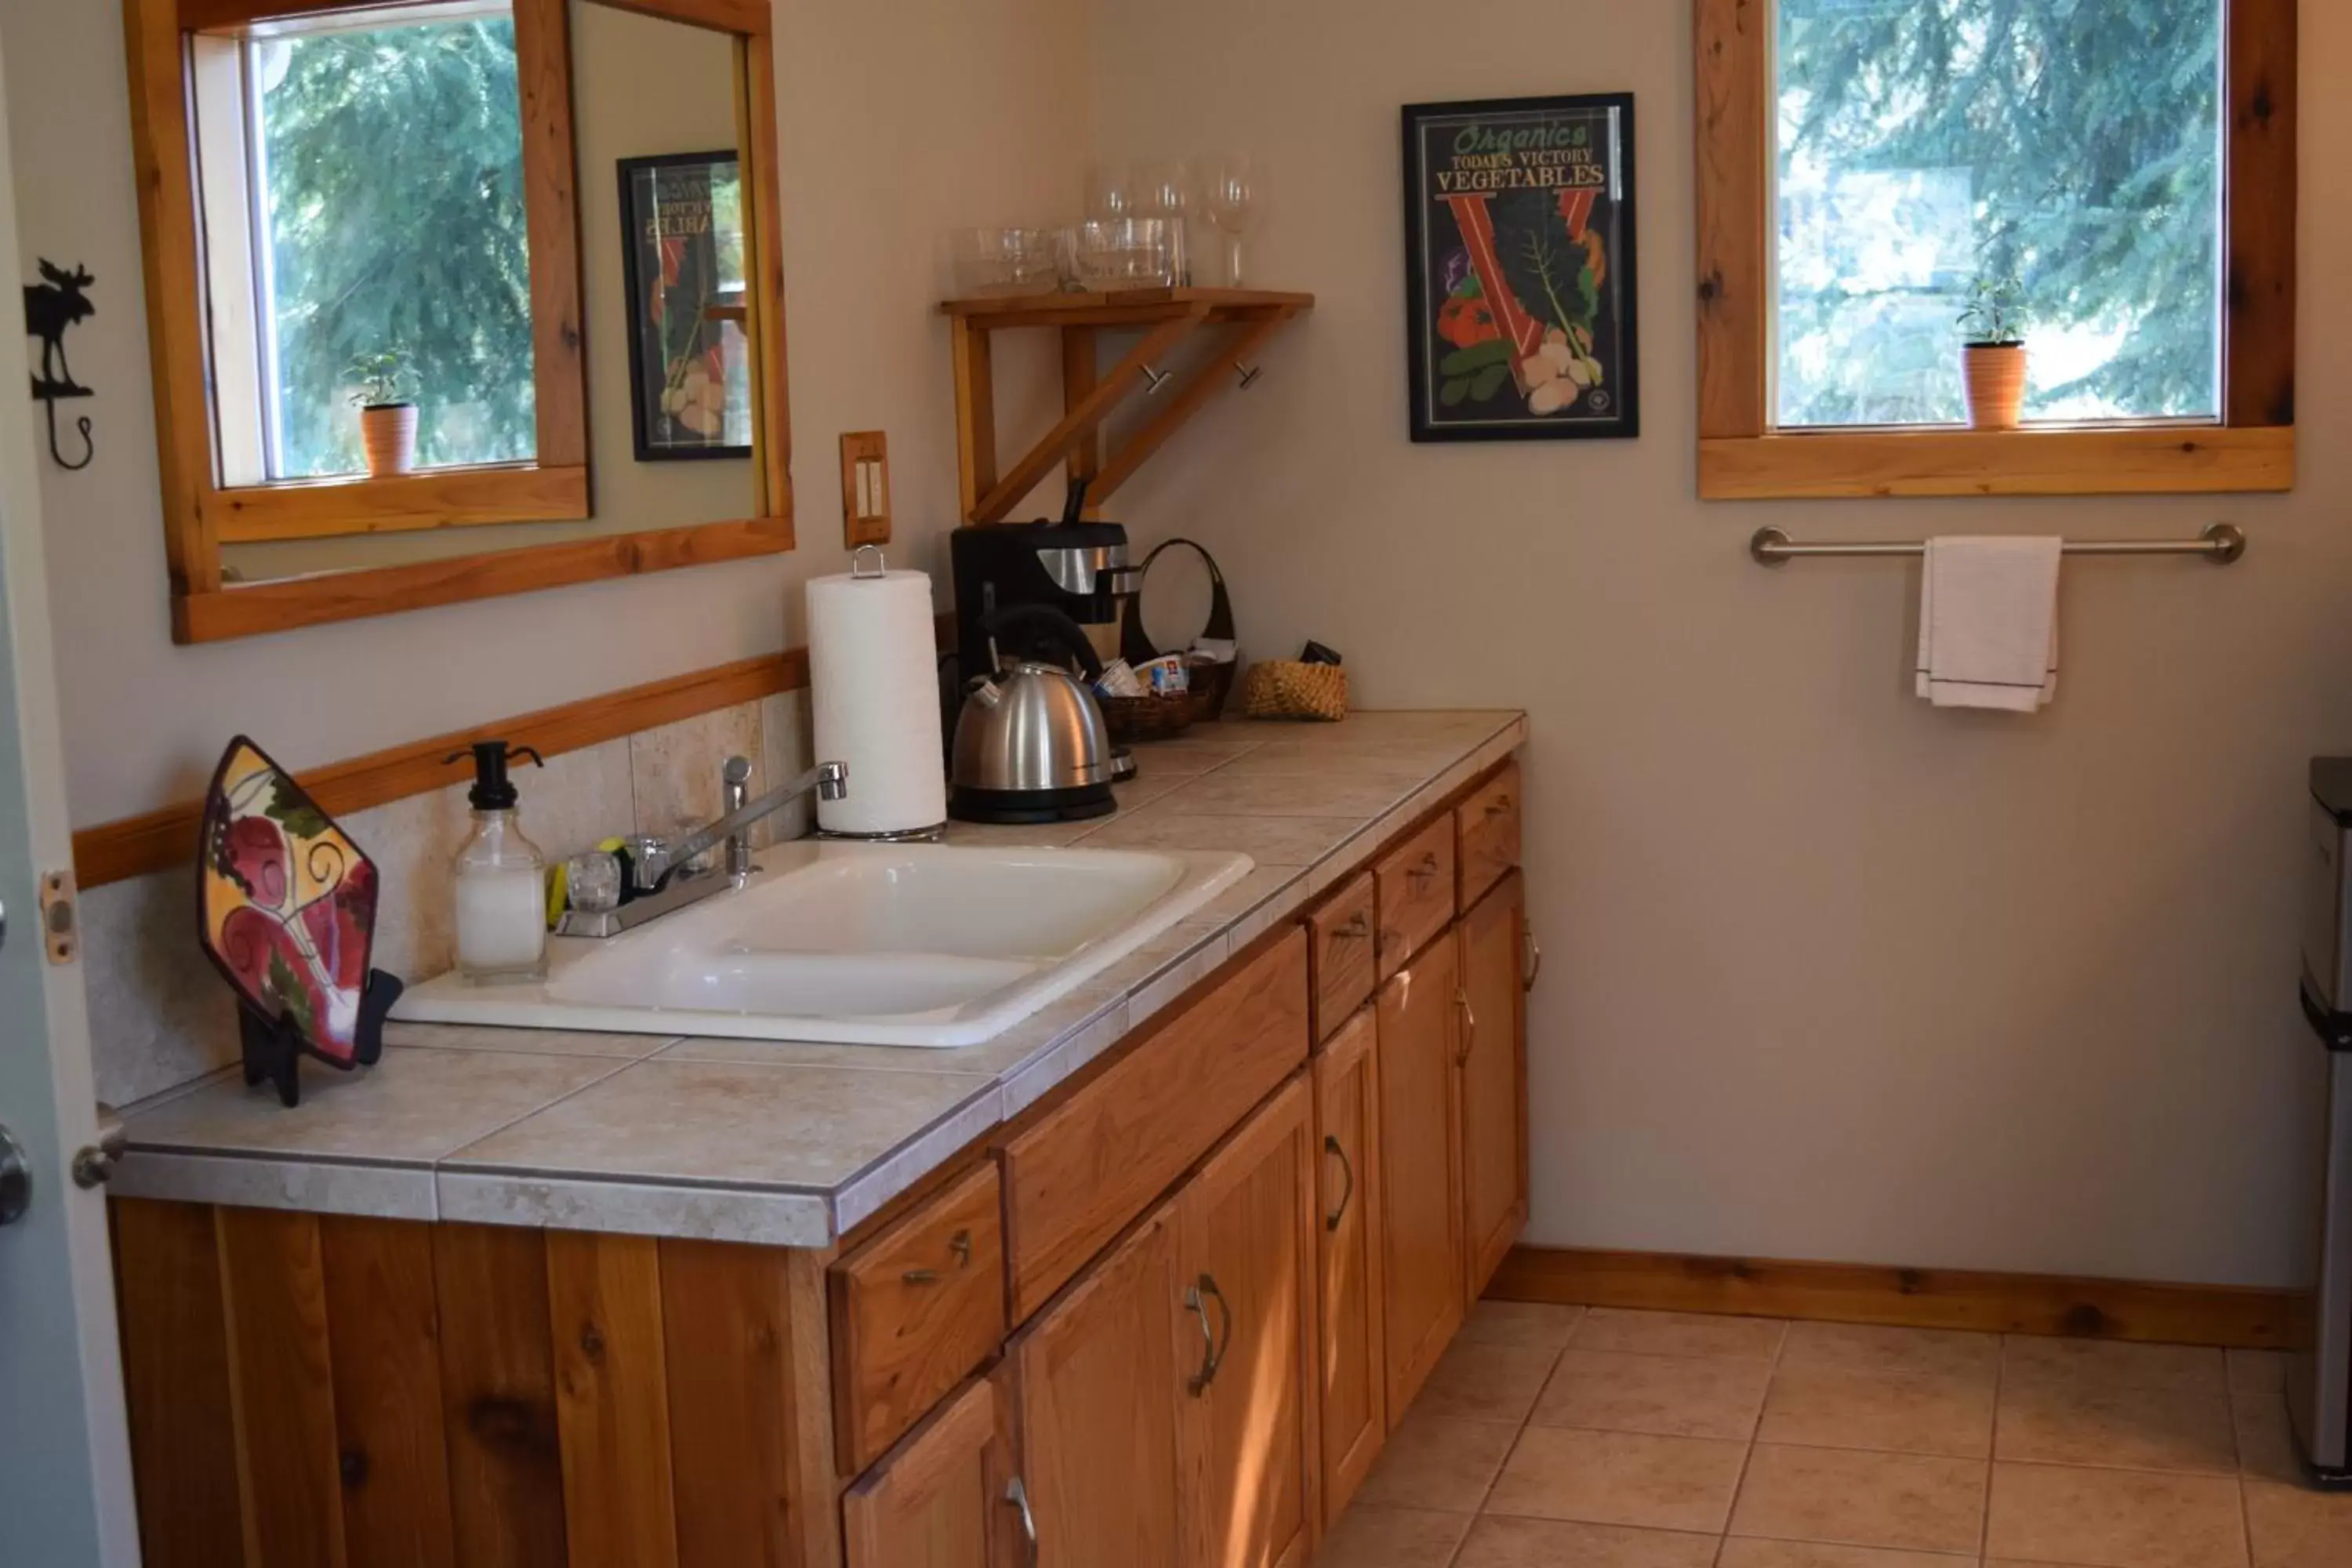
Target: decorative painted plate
[[285, 904]]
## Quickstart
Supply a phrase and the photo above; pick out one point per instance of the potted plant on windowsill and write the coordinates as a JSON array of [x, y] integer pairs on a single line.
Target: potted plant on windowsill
[[1994, 359], [385, 389]]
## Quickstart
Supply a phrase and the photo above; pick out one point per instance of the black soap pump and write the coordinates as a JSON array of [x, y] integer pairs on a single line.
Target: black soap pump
[[501, 877]]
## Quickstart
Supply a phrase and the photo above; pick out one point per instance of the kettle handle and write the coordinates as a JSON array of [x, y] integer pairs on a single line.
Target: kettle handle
[[1047, 625]]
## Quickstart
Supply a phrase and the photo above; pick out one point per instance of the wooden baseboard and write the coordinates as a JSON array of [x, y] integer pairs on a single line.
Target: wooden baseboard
[[1913, 1298]]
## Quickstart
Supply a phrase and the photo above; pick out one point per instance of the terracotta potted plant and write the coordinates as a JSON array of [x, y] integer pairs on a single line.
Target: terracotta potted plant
[[1994, 359], [385, 389]]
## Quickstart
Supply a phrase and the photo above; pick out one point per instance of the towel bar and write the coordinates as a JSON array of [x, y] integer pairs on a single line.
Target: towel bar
[[2220, 545]]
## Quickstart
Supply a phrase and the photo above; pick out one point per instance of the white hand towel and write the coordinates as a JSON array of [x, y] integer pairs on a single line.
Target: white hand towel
[[1988, 623]]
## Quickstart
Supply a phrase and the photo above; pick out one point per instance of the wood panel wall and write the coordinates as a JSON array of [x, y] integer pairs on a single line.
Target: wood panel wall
[[314, 1391]]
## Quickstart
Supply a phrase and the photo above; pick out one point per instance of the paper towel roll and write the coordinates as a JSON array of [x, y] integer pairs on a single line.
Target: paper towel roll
[[874, 694]]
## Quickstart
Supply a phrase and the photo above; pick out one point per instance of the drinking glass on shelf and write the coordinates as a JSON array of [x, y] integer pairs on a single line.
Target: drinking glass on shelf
[[1164, 191], [1005, 261], [1110, 190], [1124, 253], [1231, 200]]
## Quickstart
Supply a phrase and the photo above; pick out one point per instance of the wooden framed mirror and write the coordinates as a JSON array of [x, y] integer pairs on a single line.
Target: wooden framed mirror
[[548, 229]]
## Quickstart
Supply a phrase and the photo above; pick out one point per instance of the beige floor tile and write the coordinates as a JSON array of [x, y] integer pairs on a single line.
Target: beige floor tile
[[1949, 1414], [1754, 1552], [1678, 1333], [1870, 1347], [1619, 1478], [2029, 1357], [1911, 1502], [2294, 1527], [2266, 1446], [1392, 1538], [1485, 1382], [1674, 1396], [1434, 1463], [2063, 1419], [1538, 1325], [1499, 1542], [2114, 1519]]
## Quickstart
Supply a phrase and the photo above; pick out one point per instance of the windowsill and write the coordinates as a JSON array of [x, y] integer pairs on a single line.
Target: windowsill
[[427, 499], [2056, 460]]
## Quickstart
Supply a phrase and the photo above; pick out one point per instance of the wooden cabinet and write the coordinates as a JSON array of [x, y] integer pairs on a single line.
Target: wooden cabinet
[[1097, 1387], [931, 1503], [1414, 891], [1494, 1137], [1341, 945], [1353, 1360], [915, 1311], [1422, 1270], [1487, 834], [1245, 1257]]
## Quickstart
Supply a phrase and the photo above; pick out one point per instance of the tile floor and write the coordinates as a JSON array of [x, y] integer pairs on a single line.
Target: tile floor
[[1558, 1437]]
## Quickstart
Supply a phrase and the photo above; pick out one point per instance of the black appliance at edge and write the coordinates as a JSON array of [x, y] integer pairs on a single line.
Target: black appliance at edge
[[1078, 568]]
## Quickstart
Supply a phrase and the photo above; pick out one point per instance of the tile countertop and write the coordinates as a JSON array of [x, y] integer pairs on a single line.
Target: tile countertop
[[784, 1143]]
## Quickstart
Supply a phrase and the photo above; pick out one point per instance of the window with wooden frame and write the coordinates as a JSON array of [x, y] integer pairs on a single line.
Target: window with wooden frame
[[2124, 171], [323, 182]]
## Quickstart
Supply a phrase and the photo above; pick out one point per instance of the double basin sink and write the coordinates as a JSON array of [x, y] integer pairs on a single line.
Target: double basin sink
[[937, 945]]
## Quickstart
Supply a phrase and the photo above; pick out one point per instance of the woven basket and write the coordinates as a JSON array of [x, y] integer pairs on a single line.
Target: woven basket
[[1285, 689], [1132, 719]]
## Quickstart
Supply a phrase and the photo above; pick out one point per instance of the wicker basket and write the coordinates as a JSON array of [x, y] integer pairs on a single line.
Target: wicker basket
[[1132, 719], [1286, 688]]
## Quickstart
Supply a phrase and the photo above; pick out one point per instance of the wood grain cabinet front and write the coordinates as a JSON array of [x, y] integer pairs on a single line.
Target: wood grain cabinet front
[[1415, 892], [1342, 954], [916, 1310], [1348, 1233], [1493, 1092], [1487, 834], [1419, 1021], [930, 1505]]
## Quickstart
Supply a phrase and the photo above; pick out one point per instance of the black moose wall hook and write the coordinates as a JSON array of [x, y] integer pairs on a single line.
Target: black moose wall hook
[[49, 309]]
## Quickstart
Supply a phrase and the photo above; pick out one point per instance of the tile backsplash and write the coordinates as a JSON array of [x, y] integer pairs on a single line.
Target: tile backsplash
[[160, 1017]]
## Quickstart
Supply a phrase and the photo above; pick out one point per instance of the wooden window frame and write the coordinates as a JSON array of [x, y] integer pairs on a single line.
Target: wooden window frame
[[1742, 457], [201, 514]]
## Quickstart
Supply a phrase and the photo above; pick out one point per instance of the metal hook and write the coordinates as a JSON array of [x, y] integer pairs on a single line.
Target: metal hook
[[1248, 372], [1154, 377], [89, 445]]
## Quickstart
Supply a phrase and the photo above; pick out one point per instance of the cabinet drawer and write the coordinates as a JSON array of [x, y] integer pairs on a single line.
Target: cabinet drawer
[[1487, 832], [1415, 896], [1080, 1174], [1341, 954], [915, 1311]]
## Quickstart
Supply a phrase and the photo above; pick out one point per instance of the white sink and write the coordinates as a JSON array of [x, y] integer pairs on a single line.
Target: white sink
[[862, 943]]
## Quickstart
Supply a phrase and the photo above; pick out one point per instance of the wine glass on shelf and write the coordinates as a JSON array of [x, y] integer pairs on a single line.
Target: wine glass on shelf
[[1111, 191], [1164, 191], [1231, 200]]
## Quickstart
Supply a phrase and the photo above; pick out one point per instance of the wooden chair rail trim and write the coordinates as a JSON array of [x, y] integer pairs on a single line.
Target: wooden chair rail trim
[[453, 497], [1742, 458], [256, 609], [160, 840], [2236, 1317], [2124, 460]]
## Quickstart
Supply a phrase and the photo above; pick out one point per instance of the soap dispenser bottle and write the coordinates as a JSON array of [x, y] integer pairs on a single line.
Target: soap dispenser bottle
[[500, 878]]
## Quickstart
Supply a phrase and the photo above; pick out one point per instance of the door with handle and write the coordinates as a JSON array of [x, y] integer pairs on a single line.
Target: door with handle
[[1246, 1224], [65, 1466]]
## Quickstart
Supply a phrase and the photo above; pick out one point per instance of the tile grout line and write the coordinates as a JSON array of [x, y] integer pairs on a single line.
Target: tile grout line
[[2238, 1449], [1992, 1451], [1755, 1436]]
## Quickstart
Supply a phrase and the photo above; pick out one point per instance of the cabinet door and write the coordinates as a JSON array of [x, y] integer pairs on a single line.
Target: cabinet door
[[1098, 1387], [1352, 1356], [1246, 1266], [1494, 1137], [927, 1504], [1420, 1196]]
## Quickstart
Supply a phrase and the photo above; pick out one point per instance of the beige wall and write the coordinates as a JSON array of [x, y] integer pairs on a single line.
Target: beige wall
[[1001, 133], [1830, 975]]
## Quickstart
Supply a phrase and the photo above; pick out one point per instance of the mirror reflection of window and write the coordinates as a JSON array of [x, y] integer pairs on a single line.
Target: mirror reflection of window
[[367, 238]]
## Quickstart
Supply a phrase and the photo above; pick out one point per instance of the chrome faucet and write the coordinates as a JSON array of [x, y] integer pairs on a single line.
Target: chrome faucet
[[662, 873]]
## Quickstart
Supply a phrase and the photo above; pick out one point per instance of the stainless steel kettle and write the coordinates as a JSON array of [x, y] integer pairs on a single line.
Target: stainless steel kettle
[[1030, 744]]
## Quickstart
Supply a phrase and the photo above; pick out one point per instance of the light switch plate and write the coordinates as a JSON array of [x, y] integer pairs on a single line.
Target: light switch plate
[[864, 488]]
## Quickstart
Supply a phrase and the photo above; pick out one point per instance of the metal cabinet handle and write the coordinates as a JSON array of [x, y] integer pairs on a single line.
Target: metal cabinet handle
[[1535, 954], [1346, 1169], [94, 1164], [1425, 871], [1017, 1496], [1213, 1355], [1356, 930], [1498, 805], [1469, 1025], [959, 1243]]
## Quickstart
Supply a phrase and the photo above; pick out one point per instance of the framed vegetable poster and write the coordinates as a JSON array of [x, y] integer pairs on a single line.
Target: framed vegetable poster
[[1519, 268], [690, 358]]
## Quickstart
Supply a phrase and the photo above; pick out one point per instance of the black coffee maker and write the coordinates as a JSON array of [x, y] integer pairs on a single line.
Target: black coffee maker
[[1078, 568]]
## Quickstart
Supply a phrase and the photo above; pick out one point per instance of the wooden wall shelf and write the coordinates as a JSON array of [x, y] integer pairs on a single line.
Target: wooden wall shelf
[[1166, 318]]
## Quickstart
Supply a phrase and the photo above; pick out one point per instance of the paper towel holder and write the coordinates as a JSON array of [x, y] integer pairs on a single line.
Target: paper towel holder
[[932, 834]]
